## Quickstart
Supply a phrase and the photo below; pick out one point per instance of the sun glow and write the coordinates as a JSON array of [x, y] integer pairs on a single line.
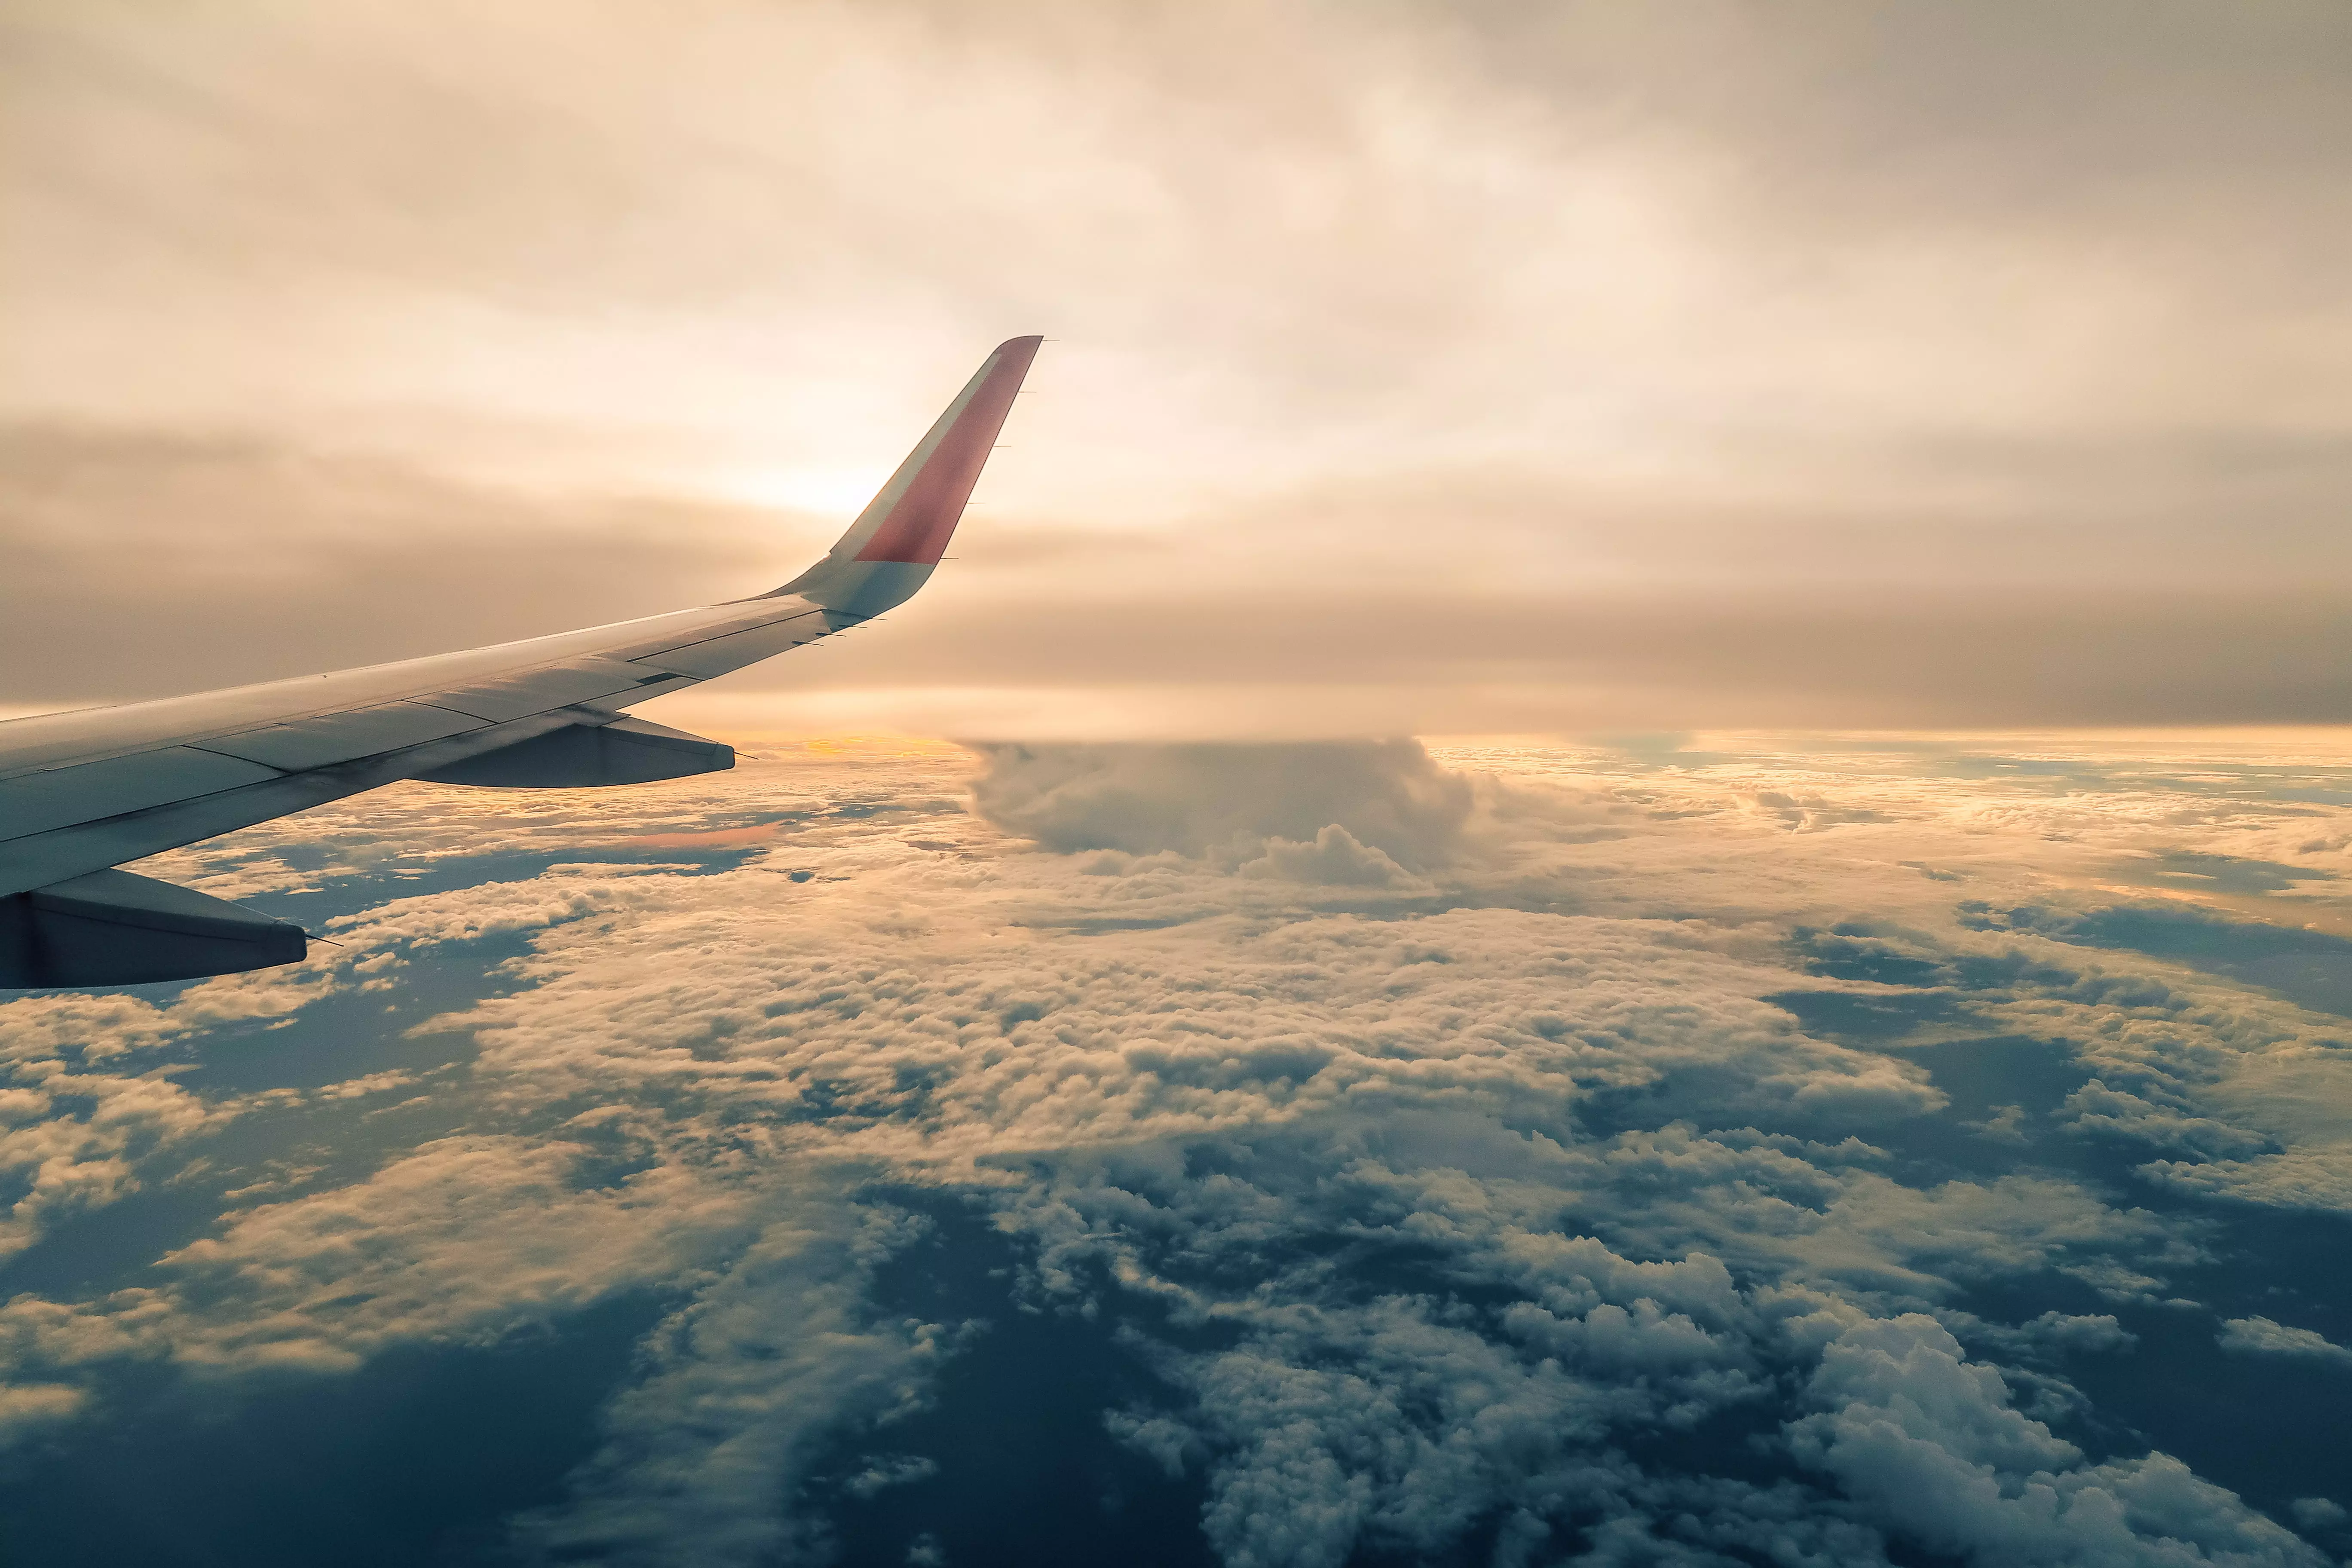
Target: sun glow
[[827, 492]]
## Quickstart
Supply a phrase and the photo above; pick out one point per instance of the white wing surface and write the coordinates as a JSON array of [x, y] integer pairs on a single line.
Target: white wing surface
[[82, 792]]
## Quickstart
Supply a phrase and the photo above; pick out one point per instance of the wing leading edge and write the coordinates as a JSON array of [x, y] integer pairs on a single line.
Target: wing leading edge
[[83, 791]]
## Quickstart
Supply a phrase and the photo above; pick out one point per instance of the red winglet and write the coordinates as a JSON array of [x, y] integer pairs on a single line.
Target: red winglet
[[929, 502]]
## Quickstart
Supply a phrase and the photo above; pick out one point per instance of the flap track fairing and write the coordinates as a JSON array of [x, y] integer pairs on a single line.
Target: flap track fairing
[[116, 927]]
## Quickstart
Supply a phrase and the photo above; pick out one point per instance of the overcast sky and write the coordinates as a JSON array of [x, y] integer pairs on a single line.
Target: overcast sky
[[1416, 368]]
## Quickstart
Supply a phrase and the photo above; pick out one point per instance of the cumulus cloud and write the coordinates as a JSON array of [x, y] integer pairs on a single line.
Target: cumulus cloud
[[2318, 1513], [2259, 1336], [1335, 857], [702, 1453], [1496, 1185], [2051, 1339], [1934, 1442], [74, 1132], [1387, 796], [2318, 1179], [421, 1251]]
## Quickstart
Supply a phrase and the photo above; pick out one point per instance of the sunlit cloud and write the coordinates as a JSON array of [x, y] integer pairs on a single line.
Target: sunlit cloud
[[1408, 1137]]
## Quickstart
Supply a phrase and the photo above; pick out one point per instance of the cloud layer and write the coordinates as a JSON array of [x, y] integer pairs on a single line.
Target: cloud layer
[[1673, 1157]]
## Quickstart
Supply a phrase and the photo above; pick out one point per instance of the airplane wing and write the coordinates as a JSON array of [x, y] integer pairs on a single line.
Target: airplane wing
[[82, 792]]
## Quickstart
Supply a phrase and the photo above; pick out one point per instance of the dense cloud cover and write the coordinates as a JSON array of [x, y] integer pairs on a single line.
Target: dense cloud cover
[[1305, 1154]]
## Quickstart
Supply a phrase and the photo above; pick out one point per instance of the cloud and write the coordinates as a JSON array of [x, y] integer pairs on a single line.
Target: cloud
[[1087, 659], [2097, 1109], [743, 1383], [1342, 1422], [2259, 1336], [73, 1134], [146, 559], [424, 1251], [27, 1409], [1387, 796], [1333, 858], [2317, 1513], [2319, 1179], [887, 1472], [1497, 1188], [1933, 1443], [2100, 1333]]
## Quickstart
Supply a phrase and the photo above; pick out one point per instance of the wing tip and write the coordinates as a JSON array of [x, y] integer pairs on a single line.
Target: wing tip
[[904, 530]]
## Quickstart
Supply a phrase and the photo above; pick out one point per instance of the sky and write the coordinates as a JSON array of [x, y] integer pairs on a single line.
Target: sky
[[1620, 842], [1415, 369]]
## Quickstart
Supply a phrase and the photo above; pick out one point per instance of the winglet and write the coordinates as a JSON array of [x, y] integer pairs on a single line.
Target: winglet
[[889, 551]]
